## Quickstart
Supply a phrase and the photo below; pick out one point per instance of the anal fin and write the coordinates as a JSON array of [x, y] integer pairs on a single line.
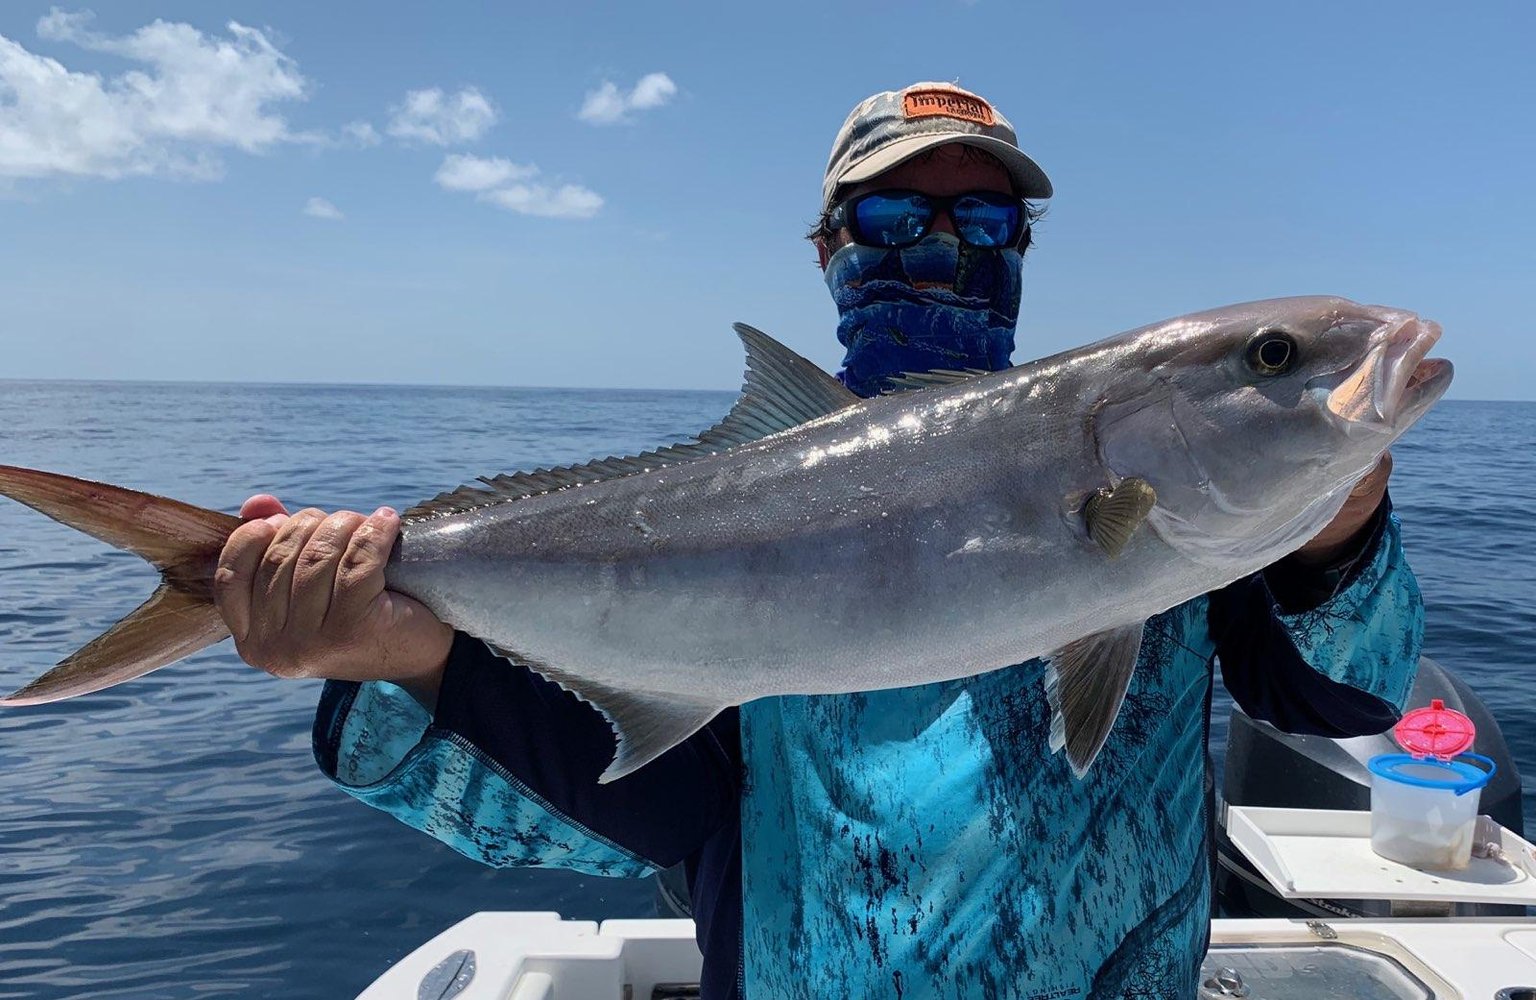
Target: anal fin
[[647, 724], [1085, 684]]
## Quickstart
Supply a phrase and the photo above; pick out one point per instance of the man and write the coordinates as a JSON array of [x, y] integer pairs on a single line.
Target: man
[[906, 843]]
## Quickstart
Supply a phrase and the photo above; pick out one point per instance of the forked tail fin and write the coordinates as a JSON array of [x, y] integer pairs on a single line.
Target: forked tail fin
[[182, 541]]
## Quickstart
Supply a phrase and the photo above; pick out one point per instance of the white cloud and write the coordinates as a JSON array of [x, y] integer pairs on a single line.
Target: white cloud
[[461, 172], [361, 133], [653, 90], [603, 106], [608, 105], [319, 208], [509, 185], [64, 25], [568, 201], [434, 117], [190, 95]]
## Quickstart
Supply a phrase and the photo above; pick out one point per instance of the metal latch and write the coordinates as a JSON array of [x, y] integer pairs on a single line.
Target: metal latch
[[448, 978], [1224, 982]]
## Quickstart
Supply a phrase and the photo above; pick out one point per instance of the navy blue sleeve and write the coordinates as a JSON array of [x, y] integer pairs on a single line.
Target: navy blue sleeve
[[558, 745], [506, 771], [1326, 652]]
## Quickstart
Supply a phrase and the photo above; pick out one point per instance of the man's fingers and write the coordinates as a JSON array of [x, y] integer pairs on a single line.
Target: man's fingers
[[314, 577], [236, 575], [1367, 492], [1376, 480], [261, 505], [1353, 516], [360, 576], [274, 574]]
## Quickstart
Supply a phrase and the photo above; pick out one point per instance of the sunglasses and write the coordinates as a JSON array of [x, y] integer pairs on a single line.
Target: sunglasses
[[897, 219]]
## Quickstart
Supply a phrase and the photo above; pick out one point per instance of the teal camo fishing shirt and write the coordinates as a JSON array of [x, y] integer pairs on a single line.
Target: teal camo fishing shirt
[[911, 843]]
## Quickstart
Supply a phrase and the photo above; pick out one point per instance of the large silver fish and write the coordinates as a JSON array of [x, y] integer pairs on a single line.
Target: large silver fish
[[814, 542]]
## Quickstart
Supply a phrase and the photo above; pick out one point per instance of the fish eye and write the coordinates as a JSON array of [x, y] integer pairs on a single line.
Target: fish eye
[[1272, 352]]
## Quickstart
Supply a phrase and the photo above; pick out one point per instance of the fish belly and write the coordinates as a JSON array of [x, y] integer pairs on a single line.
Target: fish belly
[[906, 598]]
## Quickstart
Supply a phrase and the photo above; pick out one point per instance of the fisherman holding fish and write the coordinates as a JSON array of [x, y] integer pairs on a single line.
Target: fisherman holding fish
[[1034, 831], [911, 842]]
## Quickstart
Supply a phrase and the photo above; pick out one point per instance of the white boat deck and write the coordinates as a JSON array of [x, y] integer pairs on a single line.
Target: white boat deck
[[538, 956], [1462, 959], [1326, 854], [1301, 852]]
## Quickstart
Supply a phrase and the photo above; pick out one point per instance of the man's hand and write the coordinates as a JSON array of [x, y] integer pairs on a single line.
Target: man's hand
[[304, 596], [1356, 513]]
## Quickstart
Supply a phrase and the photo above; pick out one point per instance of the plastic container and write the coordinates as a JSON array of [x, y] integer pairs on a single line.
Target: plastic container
[[1424, 812], [1424, 802]]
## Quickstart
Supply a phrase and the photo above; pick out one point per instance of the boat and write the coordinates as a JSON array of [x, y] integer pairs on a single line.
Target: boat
[[1305, 909]]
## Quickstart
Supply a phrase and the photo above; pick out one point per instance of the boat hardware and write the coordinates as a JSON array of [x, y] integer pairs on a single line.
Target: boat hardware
[[448, 978], [1225, 982]]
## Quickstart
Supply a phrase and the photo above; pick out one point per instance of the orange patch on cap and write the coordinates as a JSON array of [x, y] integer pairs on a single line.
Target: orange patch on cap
[[949, 104]]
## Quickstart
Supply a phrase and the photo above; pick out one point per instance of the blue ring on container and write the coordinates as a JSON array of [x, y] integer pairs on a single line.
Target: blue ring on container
[[1468, 778]]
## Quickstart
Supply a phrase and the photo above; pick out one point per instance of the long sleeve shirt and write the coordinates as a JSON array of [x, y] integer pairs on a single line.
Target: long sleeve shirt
[[916, 842]]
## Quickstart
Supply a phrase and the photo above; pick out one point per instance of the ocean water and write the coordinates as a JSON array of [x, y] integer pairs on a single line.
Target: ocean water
[[172, 838]]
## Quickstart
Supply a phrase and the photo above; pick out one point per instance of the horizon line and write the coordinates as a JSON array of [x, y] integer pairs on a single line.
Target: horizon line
[[298, 383]]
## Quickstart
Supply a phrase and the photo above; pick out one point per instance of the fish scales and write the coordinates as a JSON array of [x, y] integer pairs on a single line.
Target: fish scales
[[865, 548]]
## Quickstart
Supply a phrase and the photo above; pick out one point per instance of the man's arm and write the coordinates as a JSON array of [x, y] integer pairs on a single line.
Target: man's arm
[[1327, 647], [430, 726], [505, 770]]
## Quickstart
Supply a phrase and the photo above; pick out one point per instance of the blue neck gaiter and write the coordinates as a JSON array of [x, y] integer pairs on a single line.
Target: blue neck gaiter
[[936, 304]]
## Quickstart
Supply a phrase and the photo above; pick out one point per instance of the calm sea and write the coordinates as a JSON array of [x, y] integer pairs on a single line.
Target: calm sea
[[171, 838]]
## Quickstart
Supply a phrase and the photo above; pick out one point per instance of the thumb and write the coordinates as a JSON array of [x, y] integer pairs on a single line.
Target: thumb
[[261, 505]]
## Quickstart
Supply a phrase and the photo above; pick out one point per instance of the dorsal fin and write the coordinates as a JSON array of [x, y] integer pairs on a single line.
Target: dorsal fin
[[932, 379], [782, 390]]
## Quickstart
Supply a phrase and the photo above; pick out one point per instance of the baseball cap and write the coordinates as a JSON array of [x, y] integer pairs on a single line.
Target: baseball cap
[[893, 126]]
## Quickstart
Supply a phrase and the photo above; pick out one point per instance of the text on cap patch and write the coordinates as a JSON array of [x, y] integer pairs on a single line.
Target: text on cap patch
[[949, 103]]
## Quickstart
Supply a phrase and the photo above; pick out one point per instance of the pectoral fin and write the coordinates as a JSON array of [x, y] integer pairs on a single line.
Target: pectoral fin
[[1113, 515], [1085, 684]]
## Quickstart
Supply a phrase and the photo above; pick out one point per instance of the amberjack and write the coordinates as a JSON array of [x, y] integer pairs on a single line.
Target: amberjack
[[814, 542]]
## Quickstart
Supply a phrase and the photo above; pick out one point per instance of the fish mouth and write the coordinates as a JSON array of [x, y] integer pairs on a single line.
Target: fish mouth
[[1397, 381]]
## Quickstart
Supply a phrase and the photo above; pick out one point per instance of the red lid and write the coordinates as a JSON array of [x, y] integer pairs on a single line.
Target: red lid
[[1435, 731]]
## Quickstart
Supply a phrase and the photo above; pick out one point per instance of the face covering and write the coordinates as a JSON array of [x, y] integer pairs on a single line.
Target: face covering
[[935, 304]]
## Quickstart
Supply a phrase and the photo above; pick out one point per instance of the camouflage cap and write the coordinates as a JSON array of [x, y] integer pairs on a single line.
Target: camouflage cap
[[895, 125]]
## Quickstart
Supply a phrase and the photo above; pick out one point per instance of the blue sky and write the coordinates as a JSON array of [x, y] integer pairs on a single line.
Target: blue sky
[[588, 195]]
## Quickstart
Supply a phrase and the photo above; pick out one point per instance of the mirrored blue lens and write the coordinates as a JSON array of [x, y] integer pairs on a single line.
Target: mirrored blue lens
[[986, 223], [892, 220], [901, 218]]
